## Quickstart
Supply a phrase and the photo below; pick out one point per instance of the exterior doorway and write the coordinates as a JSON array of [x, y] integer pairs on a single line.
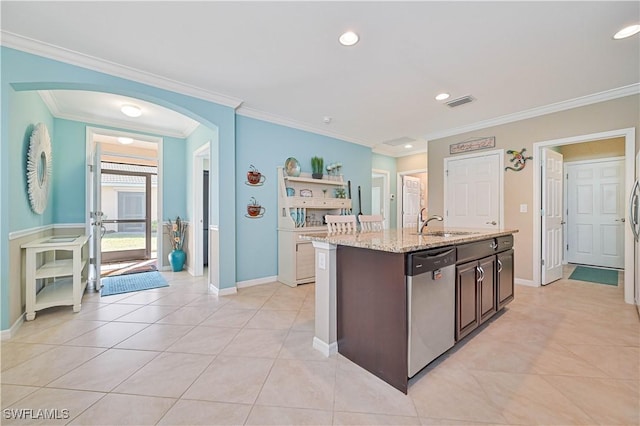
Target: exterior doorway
[[123, 201]]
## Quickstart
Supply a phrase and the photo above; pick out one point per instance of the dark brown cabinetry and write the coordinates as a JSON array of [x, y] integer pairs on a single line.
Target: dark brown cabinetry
[[484, 282], [476, 294], [505, 278]]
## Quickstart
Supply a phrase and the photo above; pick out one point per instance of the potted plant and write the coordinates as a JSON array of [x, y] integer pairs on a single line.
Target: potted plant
[[317, 166]]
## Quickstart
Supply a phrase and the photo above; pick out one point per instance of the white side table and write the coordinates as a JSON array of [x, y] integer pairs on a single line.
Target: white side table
[[64, 279]]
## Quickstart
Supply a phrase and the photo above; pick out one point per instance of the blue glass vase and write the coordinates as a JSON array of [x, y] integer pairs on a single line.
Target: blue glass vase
[[176, 259]]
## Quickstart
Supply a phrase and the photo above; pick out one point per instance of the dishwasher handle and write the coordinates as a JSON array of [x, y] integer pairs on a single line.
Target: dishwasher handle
[[430, 260]]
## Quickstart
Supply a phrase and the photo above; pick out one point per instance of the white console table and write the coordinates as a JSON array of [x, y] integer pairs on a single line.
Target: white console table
[[64, 280]]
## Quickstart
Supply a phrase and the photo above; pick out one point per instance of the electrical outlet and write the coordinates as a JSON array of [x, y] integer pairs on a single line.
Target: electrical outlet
[[322, 261]]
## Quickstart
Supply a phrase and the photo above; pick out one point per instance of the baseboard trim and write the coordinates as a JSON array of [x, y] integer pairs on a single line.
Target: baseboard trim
[[257, 281], [222, 291], [8, 334], [528, 283], [325, 348]]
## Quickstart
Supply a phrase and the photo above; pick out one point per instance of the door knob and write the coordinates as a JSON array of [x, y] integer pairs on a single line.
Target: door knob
[[620, 220], [493, 222]]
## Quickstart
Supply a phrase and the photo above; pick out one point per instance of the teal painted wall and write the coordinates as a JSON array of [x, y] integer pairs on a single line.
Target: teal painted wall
[[69, 190], [26, 72], [197, 139], [249, 247], [384, 162], [25, 111], [267, 146]]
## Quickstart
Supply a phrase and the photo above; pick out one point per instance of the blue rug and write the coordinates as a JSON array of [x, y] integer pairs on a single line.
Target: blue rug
[[595, 275], [133, 282]]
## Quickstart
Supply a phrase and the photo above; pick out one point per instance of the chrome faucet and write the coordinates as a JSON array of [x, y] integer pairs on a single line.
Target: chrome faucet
[[423, 223]]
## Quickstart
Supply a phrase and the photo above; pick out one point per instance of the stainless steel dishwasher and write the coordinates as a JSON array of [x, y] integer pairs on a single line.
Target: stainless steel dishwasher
[[431, 305]]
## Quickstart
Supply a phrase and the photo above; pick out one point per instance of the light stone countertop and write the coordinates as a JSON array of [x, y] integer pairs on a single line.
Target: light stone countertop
[[406, 240]]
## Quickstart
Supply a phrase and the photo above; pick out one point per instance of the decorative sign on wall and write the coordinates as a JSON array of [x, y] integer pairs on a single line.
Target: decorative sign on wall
[[472, 145], [519, 160]]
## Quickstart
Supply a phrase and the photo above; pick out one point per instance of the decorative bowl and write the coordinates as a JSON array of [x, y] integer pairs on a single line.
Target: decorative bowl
[[292, 167]]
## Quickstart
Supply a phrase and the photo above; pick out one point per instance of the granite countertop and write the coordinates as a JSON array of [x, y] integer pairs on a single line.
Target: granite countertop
[[406, 240]]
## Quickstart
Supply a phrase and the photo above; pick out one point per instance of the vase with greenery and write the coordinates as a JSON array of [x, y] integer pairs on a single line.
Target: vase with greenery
[[177, 230], [317, 166]]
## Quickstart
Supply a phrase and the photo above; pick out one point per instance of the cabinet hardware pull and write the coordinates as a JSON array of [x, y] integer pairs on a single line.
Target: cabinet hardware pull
[[493, 245], [479, 274], [499, 266]]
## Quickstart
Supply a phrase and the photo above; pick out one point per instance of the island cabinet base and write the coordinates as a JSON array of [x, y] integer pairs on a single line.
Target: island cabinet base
[[372, 312]]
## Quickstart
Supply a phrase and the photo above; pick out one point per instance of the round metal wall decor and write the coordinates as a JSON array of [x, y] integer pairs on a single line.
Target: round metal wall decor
[[39, 168]]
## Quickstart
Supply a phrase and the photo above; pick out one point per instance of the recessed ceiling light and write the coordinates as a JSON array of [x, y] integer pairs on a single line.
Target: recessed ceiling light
[[131, 111], [627, 32], [124, 140], [442, 96], [408, 146], [349, 38]]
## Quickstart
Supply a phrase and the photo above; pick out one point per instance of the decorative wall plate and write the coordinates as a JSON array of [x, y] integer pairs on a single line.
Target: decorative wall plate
[[306, 193], [39, 168], [292, 167]]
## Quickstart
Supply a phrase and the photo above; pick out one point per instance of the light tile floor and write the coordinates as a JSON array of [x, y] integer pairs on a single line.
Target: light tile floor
[[568, 353]]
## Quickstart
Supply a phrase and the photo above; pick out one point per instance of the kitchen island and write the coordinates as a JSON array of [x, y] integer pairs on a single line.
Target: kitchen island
[[361, 292]]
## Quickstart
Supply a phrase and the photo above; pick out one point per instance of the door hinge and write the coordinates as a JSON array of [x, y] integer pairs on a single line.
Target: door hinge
[[567, 247], [542, 262], [446, 172]]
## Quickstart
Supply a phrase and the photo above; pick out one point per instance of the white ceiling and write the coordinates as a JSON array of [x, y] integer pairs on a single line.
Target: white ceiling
[[281, 61]]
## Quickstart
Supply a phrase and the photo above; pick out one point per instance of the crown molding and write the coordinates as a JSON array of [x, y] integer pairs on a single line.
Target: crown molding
[[272, 118], [36, 47], [607, 95]]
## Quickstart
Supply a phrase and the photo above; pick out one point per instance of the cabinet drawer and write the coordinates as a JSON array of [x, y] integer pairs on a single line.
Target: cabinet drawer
[[504, 243], [476, 250]]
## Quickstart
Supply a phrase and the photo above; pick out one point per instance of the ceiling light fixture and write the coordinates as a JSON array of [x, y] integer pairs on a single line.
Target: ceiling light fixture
[[627, 32], [442, 96], [349, 38], [124, 140], [131, 111]]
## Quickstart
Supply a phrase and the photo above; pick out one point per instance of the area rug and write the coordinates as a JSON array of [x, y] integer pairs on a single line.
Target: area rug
[[595, 275], [132, 282]]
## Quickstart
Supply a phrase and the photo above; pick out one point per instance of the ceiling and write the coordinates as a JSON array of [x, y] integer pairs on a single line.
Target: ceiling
[[281, 61]]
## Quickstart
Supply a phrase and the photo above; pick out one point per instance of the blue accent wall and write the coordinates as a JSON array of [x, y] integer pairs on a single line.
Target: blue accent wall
[[25, 111], [69, 189], [248, 247], [266, 146]]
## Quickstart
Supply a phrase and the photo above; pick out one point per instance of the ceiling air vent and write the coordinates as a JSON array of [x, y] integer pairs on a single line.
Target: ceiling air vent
[[399, 141], [460, 101]]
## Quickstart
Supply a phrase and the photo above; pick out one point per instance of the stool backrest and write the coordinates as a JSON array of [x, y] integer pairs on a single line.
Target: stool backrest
[[369, 223], [341, 223]]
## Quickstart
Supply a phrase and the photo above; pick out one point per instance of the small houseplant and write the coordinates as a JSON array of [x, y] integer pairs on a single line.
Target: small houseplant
[[317, 166]]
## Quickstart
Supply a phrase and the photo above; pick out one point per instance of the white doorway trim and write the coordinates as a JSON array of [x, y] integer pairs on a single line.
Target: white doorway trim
[[399, 193], [386, 196], [629, 135], [196, 249]]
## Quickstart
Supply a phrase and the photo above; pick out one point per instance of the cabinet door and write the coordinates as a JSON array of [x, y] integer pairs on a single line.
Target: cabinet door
[[487, 288], [305, 261], [505, 278], [467, 317]]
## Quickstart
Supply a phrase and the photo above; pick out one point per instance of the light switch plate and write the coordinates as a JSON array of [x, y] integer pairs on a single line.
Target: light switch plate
[[523, 208]]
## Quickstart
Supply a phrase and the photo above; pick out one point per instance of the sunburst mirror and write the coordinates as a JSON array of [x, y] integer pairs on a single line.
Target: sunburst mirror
[[39, 168]]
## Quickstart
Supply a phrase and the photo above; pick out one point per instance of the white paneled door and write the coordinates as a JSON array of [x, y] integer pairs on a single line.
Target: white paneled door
[[551, 216], [595, 213], [473, 191], [410, 201]]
